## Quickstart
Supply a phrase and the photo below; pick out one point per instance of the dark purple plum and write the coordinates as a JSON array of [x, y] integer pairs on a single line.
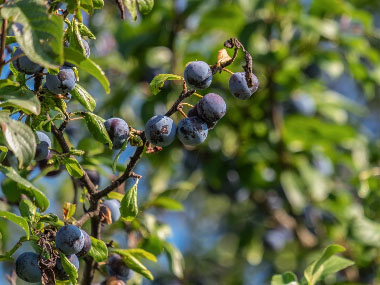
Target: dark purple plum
[[114, 206], [86, 246], [118, 131], [43, 145], [60, 272], [239, 87], [116, 267], [192, 131], [63, 82], [24, 64], [42, 164], [198, 74], [211, 108], [193, 112], [160, 130], [27, 267], [69, 239]]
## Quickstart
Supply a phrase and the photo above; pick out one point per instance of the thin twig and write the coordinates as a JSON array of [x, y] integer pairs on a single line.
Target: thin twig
[[3, 41]]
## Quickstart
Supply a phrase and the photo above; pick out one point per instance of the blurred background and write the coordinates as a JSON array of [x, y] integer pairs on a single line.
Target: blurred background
[[291, 170]]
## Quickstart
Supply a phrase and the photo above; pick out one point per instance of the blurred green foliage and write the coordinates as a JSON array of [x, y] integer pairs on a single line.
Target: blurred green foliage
[[284, 174]]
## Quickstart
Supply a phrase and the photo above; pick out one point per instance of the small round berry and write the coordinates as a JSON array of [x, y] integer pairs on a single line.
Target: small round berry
[[114, 206], [27, 267], [116, 267], [86, 246], [42, 150], [239, 87], [211, 108], [198, 74], [118, 131], [69, 239], [160, 130], [63, 82], [192, 131], [24, 64]]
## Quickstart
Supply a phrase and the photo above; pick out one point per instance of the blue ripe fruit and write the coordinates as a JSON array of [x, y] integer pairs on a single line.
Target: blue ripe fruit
[[42, 150], [69, 239], [86, 50], [239, 87], [60, 272], [118, 131], [211, 108], [198, 74], [160, 130], [27, 267], [114, 207], [86, 246], [24, 64], [192, 131], [116, 267], [63, 82]]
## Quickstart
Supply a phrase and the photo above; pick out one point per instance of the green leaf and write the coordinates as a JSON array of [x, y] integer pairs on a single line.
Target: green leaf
[[314, 272], [98, 4], [99, 250], [27, 188], [12, 95], [128, 206], [134, 264], [175, 258], [115, 195], [82, 62], [132, 8], [19, 138], [159, 80], [85, 31], [95, 125], [87, 6], [69, 268], [39, 34], [167, 203], [140, 253], [68, 210], [73, 167], [17, 220], [145, 6], [3, 152], [287, 278], [83, 97], [27, 209]]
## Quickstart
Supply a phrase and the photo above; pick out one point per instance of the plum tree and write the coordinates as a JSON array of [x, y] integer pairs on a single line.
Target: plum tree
[[27, 267], [60, 272], [117, 268], [211, 108], [192, 131], [69, 239], [239, 87], [24, 64], [118, 131], [160, 130], [86, 245], [42, 150], [113, 206], [63, 82], [198, 74]]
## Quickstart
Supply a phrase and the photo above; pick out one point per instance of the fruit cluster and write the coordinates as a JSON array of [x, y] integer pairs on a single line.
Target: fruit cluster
[[70, 240], [160, 131]]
